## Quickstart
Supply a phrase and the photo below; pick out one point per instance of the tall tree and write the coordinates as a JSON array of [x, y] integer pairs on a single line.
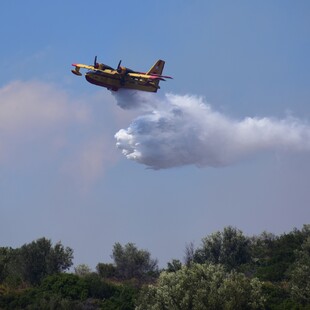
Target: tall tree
[[39, 259], [229, 248], [9, 266], [174, 265], [189, 253], [130, 262]]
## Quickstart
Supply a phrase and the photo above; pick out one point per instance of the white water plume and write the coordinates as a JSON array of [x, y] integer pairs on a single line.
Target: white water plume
[[184, 130]]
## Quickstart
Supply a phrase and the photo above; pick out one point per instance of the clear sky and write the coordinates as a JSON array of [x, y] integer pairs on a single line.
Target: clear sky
[[61, 175]]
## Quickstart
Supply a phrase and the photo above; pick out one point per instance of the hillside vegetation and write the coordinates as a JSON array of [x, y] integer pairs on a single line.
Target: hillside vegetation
[[228, 270]]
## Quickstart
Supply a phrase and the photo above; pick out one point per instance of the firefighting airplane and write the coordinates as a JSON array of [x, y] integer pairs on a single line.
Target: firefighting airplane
[[122, 77]]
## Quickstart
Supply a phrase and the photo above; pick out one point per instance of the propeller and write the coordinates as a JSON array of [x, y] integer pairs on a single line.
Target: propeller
[[95, 61], [119, 66]]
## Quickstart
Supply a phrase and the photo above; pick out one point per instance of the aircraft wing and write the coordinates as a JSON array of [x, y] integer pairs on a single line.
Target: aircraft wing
[[151, 77], [76, 71], [83, 66]]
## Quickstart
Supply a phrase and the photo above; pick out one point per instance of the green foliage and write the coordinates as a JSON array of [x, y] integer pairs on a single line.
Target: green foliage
[[32, 299], [78, 288], [189, 253], [82, 270], [65, 285], [130, 262], [300, 275], [34, 261], [226, 272], [10, 269], [69, 291], [240, 292], [202, 286], [272, 256], [106, 270], [174, 265], [4, 261], [123, 300], [277, 295], [229, 248], [17, 299], [99, 288]]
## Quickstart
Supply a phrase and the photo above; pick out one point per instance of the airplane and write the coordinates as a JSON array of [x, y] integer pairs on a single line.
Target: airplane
[[122, 77]]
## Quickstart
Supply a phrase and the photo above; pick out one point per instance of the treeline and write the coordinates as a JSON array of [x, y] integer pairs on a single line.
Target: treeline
[[228, 270]]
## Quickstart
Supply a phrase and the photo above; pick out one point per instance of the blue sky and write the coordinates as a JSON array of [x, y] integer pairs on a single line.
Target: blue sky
[[61, 175]]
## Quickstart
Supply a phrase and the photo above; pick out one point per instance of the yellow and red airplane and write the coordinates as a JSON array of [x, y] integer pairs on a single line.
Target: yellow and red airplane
[[122, 77]]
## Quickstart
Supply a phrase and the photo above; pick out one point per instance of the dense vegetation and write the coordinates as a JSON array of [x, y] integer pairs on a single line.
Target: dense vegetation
[[228, 270]]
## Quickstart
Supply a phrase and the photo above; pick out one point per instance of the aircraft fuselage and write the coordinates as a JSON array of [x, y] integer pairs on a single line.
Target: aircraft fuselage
[[113, 81]]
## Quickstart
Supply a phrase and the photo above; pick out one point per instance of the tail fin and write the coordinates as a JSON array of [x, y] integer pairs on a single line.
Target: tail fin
[[157, 68]]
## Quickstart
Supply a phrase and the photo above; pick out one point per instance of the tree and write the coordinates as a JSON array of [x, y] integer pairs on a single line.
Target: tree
[[189, 253], [82, 270], [130, 262], [202, 286], [229, 248], [106, 270], [65, 285], [240, 292], [10, 269], [59, 258], [39, 259], [174, 265], [300, 275], [272, 255], [33, 261]]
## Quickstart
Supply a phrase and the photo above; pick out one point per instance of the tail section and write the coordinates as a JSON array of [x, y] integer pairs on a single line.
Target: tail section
[[157, 69]]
